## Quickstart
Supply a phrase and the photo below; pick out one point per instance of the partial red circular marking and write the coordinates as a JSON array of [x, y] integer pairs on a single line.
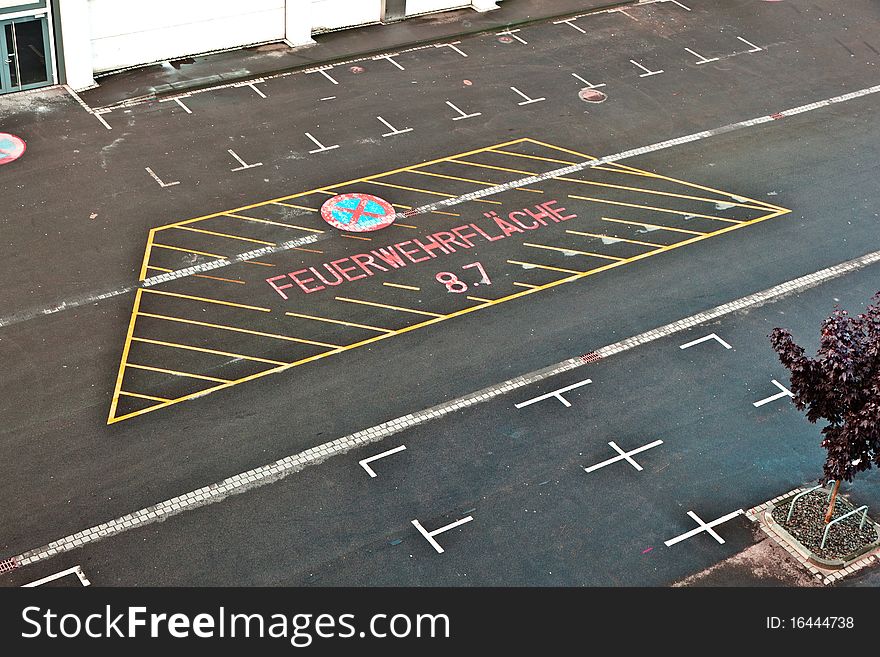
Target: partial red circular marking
[[591, 95], [357, 69], [358, 213], [11, 148]]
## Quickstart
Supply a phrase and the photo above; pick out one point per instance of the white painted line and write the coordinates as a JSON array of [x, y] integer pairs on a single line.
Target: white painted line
[[287, 466], [329, 98], [571, 21], [463, 115], [390, 59], [185, 108], [704, 528], [749, 43], [101, 119], [528, 100], [429, 536], [512, 33], [76, 570], [159, 180], [555, 393], [369, 470], [711, 336], [260, 93], [627, 14], [244, 165], [785, 393], [321, 148], [676, 2], [394, 131], [451, 45], [323, 71], [648, 72], [591, 86], [702, 59], [79, 100], [623, 456]]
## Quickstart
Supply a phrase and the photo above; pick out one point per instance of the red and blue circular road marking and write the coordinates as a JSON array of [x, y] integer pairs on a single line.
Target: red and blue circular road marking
[[357, 213], [11, 147]]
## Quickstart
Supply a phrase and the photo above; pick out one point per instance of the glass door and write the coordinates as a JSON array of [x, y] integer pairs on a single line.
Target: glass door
[[25, 61]]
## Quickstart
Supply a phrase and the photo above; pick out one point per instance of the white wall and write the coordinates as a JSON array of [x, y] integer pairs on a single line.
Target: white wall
[[131, 32], [74, 22], [334, 14], [414, 7]]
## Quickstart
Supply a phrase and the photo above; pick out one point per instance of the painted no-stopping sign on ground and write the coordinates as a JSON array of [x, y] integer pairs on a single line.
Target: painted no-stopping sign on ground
[[11, 147], [357, 213]]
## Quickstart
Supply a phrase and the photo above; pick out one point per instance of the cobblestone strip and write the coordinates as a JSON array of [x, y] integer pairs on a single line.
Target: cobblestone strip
[[284, 467]]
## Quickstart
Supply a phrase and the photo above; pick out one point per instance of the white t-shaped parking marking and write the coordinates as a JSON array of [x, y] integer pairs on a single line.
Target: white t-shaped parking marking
[[429, 536], [624, 456], [555, 393], [704, 527], [711, 336], [369, 470], [785, 393], [76, 570]]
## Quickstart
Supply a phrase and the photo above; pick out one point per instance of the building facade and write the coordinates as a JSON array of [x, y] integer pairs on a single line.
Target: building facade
[[44, 42]]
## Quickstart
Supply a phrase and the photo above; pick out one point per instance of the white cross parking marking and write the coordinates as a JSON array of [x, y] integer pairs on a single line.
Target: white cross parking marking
[[702, 59], [512, 33], [785, 393], [260, 93], [571, 21], [323, 71], [159, 180], [703, 527], [749, 43], [711, 336], [97, 114], [555, 393], [624, 456], [394, 131], [527, 100], [463, 114], [76, 570], [591, 86], [364, 462], [676, 2], [321, 148], [429, 536], [647, 72], [242, 162], [451, 45]]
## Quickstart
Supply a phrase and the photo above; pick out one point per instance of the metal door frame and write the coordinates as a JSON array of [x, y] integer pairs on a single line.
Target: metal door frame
[[5, 80]]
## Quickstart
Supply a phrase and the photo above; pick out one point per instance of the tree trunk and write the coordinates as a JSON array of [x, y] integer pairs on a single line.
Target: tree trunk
[[830, 510]]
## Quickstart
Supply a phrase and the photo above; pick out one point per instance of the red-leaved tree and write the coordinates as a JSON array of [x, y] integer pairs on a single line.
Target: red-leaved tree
[[842, 386]]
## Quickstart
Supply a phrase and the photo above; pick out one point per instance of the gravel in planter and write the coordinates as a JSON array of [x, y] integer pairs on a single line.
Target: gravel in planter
[[807, 525]]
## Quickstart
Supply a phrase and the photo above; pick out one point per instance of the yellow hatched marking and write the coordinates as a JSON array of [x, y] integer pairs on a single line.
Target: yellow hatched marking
[[655, 209], [190, 347], [655, 226], [533, 157], [611, 237], [530, 265], [300, 248], [147, 252], [294, 205], [384, 305], [490, 166], [176, 373], [404, 225], [428, 191], [208, 255], [213, 278], [206, 300], [480, 299], [531, 287], [237, 329], [401, 205], [403, 287], [272, 223], [471, 180], [141, 396], [661, 193], [448, 214], [339, 321], [125, 349], [356, 237], [226, 235], [564, 250]]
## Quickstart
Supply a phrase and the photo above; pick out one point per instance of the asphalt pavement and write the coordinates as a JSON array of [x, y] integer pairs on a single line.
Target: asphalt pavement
[[657, 236]]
